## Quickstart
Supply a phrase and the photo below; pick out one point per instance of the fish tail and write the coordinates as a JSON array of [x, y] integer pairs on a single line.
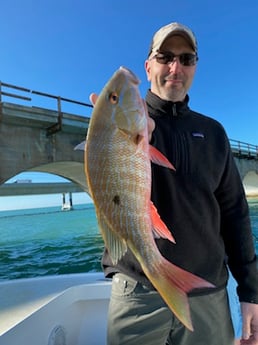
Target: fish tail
[[173, 283]]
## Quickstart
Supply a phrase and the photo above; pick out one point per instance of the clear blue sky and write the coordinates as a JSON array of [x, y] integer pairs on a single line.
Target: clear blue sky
[[71, 48]]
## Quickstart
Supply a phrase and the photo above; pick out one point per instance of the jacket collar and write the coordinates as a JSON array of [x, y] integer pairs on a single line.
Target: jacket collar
[[159, 107]]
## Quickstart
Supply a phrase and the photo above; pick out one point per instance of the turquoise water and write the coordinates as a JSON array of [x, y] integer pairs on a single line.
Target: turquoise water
[[49, 241]]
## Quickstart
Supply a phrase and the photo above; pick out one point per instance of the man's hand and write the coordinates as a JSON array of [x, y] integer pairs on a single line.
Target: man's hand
[[250, 323]]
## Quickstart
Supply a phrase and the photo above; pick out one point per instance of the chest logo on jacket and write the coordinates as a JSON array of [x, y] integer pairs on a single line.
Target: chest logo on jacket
[[198, 135]]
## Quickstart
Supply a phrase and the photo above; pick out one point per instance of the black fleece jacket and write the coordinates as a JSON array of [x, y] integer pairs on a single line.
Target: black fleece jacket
[[203, 203]]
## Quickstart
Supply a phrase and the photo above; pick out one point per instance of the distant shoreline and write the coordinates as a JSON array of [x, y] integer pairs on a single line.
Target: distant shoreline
[[44, 209]]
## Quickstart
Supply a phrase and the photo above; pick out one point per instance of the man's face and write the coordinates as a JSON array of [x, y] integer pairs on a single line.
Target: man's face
[[171, 81]]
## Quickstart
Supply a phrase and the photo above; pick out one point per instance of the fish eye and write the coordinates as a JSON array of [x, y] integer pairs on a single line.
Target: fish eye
[[113, 98]]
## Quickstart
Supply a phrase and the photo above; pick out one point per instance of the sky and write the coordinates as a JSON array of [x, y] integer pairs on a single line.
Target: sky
[[71, 48]]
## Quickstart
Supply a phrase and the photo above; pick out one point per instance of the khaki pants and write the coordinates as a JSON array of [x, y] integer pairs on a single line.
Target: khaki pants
[[138, 315]]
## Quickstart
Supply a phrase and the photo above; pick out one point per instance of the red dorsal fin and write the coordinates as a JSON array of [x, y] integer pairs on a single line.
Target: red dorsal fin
[[158, 158], [159, 227]]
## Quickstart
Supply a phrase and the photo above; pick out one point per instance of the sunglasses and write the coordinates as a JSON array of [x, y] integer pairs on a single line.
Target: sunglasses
[[186, 59]]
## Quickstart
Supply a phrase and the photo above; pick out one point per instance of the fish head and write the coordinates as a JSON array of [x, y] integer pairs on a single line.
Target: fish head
[[120, 104]]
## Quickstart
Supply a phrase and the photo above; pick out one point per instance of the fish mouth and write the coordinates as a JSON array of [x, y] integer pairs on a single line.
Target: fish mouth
[[130, 74]]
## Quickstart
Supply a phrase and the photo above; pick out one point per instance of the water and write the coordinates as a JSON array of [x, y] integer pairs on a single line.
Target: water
[[48, 241]]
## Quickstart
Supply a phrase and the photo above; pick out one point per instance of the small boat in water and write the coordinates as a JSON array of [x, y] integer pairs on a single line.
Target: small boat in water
[[55, 310]]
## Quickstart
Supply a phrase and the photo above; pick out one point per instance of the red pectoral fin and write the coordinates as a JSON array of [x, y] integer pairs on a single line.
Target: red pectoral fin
[[159, 227], [158, 158]]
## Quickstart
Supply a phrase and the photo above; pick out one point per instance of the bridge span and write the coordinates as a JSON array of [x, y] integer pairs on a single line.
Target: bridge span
[[15, 189], [39, 139]]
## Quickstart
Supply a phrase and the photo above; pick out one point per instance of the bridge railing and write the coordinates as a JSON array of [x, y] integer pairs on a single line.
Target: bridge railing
[[3, 92], [57, 126], [244, 150]]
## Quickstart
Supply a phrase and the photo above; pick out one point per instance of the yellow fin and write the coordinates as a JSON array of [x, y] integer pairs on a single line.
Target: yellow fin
[[173, 283], [116, 245]]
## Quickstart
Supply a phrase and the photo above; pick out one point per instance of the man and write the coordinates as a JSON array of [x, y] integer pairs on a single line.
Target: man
[[204, 206]]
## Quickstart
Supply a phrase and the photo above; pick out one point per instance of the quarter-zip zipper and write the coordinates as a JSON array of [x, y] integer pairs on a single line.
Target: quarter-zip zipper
[[174, 111]]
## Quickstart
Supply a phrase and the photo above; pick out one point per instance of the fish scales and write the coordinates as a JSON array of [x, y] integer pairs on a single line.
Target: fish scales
[[118, 171], [111, 184]]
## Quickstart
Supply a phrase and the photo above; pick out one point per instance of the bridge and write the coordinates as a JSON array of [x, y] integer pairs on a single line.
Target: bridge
[[41, 139], [246, 158], [15, 189], [28, 188]]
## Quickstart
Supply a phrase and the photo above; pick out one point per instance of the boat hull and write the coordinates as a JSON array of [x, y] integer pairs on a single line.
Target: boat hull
[[67, 310]]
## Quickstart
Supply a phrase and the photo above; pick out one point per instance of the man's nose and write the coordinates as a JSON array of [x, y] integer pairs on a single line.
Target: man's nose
[[175, 64]]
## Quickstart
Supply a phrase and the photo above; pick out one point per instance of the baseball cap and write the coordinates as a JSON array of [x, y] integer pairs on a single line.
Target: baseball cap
[[169, 30]]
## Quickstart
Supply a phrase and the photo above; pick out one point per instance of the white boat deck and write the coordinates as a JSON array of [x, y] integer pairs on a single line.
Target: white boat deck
[[58, 310]]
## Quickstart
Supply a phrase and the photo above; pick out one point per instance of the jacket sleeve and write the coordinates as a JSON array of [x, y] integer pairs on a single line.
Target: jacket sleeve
[[236, 230]]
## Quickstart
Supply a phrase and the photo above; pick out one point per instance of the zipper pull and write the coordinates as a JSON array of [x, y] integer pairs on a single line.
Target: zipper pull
[[174, 112]]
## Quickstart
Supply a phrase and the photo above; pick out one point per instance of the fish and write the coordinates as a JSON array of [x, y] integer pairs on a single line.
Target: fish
[[117, 161]]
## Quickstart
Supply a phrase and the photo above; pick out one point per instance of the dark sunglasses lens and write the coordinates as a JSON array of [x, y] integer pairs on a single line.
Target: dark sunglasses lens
[[187, 59], [164, 58]]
